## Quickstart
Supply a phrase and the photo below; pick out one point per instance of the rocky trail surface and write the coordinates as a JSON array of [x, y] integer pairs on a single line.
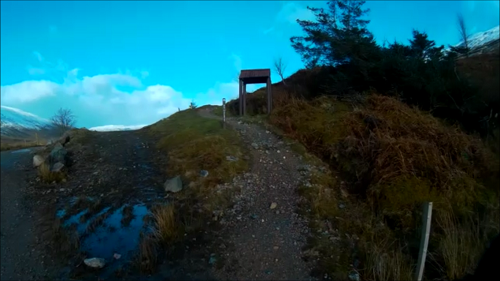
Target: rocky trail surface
[[265, 237], [21, 259], [261, 237]]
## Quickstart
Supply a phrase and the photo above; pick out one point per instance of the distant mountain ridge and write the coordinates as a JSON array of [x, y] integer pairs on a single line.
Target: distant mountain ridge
[[482, 38], [13, 117], [19, 124], [483, 42]]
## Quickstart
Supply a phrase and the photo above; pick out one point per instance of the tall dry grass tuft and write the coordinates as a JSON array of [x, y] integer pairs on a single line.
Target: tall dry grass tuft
[[462, 240], [386, 261], [391, 158], [47, 176], [167, 226], [148, 253]]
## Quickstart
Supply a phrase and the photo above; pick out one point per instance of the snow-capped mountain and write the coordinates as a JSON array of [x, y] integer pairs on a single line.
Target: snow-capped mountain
[[110, 128], [15, 121], [13, 117], [482, 38]]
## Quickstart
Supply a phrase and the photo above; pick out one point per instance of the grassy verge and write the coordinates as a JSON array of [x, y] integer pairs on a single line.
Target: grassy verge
[[19, 145], [387, 159], [192, 144], [218, 111]]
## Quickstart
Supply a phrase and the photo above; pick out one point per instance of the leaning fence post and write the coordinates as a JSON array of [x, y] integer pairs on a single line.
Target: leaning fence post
[[424, 240], [224, 112]]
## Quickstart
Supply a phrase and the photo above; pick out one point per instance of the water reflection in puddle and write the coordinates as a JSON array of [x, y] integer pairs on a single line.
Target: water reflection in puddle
[[24, 150], [110, 236]]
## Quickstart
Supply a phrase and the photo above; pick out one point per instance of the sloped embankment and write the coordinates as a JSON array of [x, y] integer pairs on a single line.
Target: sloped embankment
[[387, 159]]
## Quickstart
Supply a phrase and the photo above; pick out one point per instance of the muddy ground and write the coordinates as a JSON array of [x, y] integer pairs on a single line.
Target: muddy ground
[[103, 210]]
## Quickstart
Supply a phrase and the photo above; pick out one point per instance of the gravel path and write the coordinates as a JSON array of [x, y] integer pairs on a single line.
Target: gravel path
[[20, 257], [265, 236]]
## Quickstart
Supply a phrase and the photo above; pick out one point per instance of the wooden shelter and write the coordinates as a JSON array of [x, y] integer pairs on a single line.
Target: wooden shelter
[[254, 76]]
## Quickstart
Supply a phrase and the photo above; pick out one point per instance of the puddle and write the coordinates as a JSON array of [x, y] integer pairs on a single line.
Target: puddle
[[81, 227], [72, 200], [24, 150], [104, 242], [110, 236], [60, 213]]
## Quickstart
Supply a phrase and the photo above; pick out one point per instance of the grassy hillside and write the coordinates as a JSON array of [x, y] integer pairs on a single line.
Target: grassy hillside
[[386, 159]]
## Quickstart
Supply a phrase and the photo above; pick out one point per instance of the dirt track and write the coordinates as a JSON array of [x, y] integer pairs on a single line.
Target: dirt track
[[264, 242], [118, 170], [21, 259]]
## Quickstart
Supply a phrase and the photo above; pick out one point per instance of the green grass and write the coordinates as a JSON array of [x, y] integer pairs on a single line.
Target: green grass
[[19, 145], [217, 110], [193, 143]]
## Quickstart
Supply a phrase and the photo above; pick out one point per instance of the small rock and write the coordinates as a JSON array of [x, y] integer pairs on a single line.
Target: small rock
[[344, 193], [117, 256], [231, 158], [273, 205], [173, 185], [58, 154], [354, 276], [95, 262], [255, 145], [277, 212], [275, 247], [204, 173], [212, 259], [37, 160], [57, 167], [341, 206]]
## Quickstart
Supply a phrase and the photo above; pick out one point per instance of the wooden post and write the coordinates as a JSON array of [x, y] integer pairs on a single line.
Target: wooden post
[[36, 137], [224, 112], [244, 91], [424, 240], [269, 96], [241, 97]]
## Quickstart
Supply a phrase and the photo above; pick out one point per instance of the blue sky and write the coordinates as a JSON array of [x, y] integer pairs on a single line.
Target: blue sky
[[132, 63]]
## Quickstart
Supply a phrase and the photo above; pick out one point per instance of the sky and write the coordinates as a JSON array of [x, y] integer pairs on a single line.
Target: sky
[[133, 63]]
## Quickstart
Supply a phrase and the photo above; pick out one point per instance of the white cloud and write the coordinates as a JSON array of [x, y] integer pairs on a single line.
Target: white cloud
[[291, 11], [288, 15], [114, 98], [28, 91]]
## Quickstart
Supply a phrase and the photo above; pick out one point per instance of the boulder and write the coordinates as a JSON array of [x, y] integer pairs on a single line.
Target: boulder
[[95, 262], [65, 138], [58, 154], [173, 185], [37, 160]]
